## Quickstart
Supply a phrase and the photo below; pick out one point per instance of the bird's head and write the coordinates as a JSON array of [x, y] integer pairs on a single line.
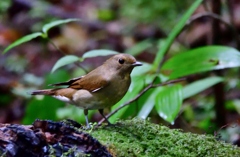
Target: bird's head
[[122, 63]]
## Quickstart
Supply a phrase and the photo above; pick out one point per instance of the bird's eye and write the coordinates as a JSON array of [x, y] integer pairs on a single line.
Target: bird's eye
[[121, 61]]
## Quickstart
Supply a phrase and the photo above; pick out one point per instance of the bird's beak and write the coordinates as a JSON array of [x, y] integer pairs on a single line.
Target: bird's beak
[[137, 64]]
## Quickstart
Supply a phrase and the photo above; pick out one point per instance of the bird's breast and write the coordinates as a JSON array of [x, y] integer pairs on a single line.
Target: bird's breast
[[117, 89], [103, 98]]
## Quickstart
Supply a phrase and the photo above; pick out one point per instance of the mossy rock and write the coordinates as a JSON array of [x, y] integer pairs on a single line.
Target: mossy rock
[[141, 138]]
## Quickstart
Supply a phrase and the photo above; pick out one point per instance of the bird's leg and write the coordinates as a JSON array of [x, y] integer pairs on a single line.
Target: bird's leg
[[86, 118], [101, 112]]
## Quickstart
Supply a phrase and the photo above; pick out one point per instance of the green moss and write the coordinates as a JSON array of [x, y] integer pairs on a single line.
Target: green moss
[[141, 138]]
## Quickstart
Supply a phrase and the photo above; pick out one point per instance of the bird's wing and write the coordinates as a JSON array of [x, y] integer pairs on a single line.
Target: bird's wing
[[91, 82], [68, 83]]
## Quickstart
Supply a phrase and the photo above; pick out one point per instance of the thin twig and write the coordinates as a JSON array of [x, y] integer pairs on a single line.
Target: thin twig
[[151, 85], [207, 14], [217, 17], [55, 46]]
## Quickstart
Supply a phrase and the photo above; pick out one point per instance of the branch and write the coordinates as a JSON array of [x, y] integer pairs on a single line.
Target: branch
[[57, 48], [207, 14], [216, 17], [151, 85]]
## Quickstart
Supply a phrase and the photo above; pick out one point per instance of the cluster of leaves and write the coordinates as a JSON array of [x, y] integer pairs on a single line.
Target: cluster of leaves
[[167, 100]]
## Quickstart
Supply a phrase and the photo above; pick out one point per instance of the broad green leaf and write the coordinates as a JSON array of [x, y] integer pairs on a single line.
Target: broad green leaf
[[64, 61], [175, 32], [168, 102], [139, 47], [201, 59], [73, 112], [60, 75], [101, 52], [199, 86], [50, 25], [149, 102], [134, 89], [45, 108], [146, 67], [22, 40]]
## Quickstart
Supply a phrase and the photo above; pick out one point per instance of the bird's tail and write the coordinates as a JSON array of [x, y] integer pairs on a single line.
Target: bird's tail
[[43, 92]]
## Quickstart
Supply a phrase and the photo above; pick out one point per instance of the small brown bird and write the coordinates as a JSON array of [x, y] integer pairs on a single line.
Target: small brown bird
[[101, 88]]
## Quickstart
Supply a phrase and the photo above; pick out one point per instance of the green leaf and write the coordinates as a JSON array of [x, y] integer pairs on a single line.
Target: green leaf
[[64, 61], [175, 32], [101, 52], [145, 68], [199, 86], [146, 101], [73, 112], [60, 75], [139, 47], [201, 59], [48, 26], [168, 102], [22, 40], [45, 108], [149, 103]]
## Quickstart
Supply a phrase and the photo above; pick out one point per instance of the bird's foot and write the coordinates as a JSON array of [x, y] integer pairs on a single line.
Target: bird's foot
[[90, 126]]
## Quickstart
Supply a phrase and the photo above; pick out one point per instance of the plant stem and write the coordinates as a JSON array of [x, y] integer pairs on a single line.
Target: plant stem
[[57, 48]]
